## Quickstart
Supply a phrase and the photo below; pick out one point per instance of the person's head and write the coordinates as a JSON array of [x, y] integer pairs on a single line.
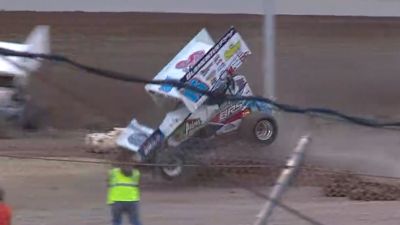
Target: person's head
[[125, 162], [1, 195], [127, 170]]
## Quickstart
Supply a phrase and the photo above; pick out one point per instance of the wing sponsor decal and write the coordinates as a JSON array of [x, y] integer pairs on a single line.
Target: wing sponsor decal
[[210, 54], [192, 95], [205, 71], [212, 77], [190, 61], [221, 60], [232, 50]]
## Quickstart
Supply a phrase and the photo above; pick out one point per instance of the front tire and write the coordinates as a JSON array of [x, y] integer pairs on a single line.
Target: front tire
[[183, 159], [174, 168]]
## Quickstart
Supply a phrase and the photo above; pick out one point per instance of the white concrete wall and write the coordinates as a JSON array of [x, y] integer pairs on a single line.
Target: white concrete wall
[[296, 7]]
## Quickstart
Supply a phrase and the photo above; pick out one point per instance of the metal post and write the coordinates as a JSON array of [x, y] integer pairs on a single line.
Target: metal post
[[269, 49], [292, 166]]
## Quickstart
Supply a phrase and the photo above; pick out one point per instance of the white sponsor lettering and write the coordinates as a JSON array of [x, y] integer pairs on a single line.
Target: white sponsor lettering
[[192, 124], [229, 111]]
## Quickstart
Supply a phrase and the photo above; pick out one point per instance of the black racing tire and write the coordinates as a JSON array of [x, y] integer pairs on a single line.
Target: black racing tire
[[268, 123], [176, 169], [183, 158], [260, 127]]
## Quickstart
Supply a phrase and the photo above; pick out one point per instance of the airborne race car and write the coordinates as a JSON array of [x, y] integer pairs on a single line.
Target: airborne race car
[[15, 104], [208, 66]]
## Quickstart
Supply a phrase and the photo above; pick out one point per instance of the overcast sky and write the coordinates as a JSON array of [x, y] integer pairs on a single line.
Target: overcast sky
[[310, 7]]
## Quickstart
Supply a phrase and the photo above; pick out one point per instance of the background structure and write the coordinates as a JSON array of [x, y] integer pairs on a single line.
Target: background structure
[[288, 7]]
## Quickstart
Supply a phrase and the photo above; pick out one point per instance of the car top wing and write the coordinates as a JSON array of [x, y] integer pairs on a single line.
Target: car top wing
[[226, 56], [37, 42], [177, 68], [201, 64]]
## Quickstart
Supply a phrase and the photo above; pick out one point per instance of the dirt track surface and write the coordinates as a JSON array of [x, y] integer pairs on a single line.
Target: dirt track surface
[[346, 63], [61, 193]]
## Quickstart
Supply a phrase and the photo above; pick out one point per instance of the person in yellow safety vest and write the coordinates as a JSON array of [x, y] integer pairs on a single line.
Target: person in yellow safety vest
[[124, 193]]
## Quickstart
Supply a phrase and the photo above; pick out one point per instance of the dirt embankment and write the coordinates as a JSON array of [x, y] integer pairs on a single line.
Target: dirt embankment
[[345, 63]]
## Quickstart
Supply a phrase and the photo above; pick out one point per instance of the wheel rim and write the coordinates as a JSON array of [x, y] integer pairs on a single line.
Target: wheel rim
[[264, 130], [173, 170]]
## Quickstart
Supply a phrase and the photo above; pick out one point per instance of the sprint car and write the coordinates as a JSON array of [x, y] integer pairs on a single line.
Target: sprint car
[[207, 66], [15, 103]]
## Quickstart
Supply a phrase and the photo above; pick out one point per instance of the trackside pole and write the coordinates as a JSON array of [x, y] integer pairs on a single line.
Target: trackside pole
[[269, 49], [286, 175]]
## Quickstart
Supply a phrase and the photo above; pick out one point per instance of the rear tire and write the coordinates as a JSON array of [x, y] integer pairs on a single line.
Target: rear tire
[[265, 130], [260, 127]]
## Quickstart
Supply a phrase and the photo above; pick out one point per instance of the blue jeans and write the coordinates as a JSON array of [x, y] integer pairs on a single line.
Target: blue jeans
[[130, 208]]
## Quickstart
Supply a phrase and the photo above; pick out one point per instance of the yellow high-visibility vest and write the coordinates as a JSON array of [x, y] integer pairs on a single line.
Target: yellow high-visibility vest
[[122, 188]]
